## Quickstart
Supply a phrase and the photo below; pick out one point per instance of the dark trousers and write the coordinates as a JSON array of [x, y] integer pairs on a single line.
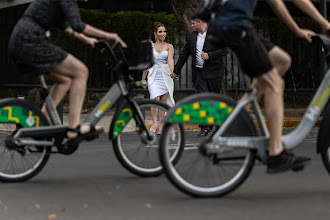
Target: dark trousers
[[206, 85]]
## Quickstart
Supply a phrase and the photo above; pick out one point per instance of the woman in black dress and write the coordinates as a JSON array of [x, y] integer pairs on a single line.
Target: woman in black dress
[[32, 51]]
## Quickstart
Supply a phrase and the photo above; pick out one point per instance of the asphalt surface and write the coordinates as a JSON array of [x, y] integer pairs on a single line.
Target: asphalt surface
[[91, 184]]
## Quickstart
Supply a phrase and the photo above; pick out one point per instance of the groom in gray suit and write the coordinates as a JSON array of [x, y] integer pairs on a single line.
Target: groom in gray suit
[[207, 66]]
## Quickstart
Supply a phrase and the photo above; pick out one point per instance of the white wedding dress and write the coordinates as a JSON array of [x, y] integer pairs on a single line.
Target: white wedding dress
[[159, 79]]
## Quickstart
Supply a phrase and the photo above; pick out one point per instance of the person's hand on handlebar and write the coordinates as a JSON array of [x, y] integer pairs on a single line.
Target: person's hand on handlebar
[[90, 41], [305, 35], [114, 39]]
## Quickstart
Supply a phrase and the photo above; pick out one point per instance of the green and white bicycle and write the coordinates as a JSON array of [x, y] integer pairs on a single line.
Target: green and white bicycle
[[221, 162], [27, 139]]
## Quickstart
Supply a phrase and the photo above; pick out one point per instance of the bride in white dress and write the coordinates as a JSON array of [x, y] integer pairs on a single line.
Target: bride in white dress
[[160, 76]]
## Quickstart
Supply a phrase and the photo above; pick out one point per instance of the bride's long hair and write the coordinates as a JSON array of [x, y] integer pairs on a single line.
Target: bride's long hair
[[154, 29]]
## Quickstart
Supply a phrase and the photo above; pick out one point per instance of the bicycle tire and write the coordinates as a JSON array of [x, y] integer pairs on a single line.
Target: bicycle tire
[[323, 141], [141, 159], [14, 165], [201, 175]]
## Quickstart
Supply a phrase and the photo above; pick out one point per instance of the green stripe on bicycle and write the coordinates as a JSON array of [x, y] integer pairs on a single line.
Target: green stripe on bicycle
[[124, 117], [204, 112], [19, 115]]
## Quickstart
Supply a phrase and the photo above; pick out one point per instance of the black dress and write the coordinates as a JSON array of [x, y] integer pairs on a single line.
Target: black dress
[[29, 47]]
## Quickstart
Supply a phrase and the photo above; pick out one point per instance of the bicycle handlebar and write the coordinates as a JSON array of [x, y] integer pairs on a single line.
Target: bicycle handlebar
[[325, 41], [146, 59], [104, 44]]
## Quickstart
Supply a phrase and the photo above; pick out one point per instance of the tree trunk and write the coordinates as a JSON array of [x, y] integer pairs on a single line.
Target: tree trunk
[[183, 10]]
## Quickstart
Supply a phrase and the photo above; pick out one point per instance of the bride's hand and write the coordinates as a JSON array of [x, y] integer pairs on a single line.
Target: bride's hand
[[174, 76]]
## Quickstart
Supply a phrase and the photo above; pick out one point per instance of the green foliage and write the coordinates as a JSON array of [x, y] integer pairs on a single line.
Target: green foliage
[[134, 26]]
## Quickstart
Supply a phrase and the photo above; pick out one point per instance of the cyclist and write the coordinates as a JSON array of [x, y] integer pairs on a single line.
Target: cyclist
[[233, 28], [31, 49]]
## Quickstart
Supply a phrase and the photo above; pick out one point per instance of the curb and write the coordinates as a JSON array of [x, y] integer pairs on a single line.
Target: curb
[[286, 124], [292, 123]]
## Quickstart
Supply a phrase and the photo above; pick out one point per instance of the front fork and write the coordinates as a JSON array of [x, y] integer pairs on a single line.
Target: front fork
[[144, 132]]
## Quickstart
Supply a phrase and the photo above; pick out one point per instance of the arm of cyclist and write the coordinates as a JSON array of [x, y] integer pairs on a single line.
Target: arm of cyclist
[[308, 7], [73, 19], [284, 15], [80, 36], [112, 38]]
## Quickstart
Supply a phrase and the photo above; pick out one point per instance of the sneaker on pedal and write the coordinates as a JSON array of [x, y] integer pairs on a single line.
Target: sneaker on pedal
[[300, 163], [285, 161], [207, 131], [201, 133]]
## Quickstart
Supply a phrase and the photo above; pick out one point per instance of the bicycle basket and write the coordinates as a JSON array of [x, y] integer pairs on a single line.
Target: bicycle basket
[[207, 9]]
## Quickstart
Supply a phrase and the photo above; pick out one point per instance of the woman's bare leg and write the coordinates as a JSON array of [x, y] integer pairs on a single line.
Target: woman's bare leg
[[59, 89], [77, 72], [154, 114], [161, 113]]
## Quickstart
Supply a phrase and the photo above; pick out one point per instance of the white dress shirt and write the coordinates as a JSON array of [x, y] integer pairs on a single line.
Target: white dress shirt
[[199, 49]]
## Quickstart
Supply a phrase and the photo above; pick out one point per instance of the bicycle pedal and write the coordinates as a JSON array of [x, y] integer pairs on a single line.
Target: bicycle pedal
[[93, 137]]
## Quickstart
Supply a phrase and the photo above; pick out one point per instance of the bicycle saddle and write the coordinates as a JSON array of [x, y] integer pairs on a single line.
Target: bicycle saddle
[[325, 42]]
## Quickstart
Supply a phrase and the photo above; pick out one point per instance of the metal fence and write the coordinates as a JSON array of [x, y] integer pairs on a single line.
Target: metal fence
[[304, 74]]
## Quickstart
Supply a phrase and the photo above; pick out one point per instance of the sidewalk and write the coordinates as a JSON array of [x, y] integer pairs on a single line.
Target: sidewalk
[[292, 117]]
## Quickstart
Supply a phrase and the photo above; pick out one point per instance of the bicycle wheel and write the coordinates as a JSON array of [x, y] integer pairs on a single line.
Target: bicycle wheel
[[20, 163], [142, 158], [323, 141], [326, 158], [197, 173]]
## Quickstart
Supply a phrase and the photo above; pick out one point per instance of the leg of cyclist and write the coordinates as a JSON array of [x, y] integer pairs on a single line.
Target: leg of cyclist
[[281, 60], [268, 82], [61, 87], [74, 71], [271, 85]]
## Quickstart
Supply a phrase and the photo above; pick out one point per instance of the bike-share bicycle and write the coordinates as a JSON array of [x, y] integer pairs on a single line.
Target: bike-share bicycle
[[27, 139], [220, 163]]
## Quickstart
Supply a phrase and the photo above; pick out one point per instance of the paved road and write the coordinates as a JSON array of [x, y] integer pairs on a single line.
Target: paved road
[[91, 184]]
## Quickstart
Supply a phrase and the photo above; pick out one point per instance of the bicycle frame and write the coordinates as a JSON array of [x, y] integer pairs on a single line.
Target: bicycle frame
[[290, 140]]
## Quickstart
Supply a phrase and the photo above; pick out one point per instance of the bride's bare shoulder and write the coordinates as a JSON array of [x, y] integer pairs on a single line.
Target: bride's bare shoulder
[[169, 46]]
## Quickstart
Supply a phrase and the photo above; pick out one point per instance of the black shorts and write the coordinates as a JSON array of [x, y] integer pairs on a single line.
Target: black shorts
[[268, 44], [251, 50]]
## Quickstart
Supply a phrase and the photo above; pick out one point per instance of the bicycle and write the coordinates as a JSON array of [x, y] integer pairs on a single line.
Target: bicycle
[[27, 138], [220, 163]]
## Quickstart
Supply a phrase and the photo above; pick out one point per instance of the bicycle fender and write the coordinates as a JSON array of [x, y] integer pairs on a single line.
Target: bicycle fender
[[16, 111], [202, 108], [121, 118], [323, 140]]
